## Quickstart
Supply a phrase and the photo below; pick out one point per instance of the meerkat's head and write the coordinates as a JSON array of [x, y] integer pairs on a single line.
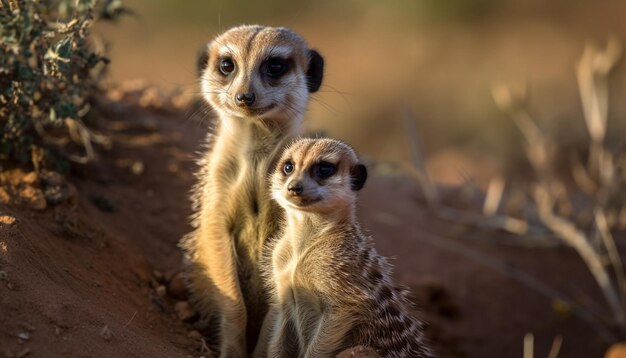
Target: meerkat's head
[[260, 72], [318, 175]]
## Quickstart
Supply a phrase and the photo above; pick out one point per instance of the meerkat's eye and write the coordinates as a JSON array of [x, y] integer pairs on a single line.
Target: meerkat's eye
[[324, 170], [276, 67], [288, 167], [227, 66]]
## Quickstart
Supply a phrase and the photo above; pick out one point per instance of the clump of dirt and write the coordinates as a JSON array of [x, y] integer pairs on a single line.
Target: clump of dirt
[[34, 190]]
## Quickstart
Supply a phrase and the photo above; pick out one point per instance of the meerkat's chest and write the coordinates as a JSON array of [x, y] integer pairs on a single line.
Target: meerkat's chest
[[284, 270], [236, 184], [294, 287]]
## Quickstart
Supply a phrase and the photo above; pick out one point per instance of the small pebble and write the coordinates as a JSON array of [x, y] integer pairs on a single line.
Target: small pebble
[[56, 194], [137, 168], [106, 333], [30, 178], [34, 198], [5, 198], [161, 291], [177, 287], [25, 336], [195, 335], [184, 311], [7, 220], [52, 178]]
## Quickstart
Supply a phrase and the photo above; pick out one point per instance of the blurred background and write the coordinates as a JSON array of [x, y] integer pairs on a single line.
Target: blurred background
[[438, 59]]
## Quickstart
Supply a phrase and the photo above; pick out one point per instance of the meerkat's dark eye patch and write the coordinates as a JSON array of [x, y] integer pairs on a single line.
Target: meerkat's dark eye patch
[[227, 66], [275, 67], [288, 167], [323, 170]]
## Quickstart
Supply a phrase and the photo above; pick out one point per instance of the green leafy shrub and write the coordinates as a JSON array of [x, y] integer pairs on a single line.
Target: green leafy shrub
[[49, 73]]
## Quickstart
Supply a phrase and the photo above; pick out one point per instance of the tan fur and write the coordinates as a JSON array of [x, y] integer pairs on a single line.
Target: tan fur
[[234, 215], [330, 288]]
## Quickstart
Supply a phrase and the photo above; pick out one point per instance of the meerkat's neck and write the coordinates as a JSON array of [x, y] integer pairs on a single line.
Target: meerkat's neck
[[303, 228], [260, 136], [237, 126]]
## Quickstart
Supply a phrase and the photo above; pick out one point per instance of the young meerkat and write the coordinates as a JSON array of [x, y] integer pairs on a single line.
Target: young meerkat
[[330, 289], [258, 80]]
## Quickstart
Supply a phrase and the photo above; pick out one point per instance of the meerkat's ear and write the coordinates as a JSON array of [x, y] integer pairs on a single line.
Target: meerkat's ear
[[358, 176], [315, 71], [203, 59]]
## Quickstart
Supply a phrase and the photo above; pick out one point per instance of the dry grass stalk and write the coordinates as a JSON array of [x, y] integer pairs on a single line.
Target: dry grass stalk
[[555, 349], [611, 248], [529, 345], [538, 149], [593, 72], [494, 196], [579, 241], [492, 222], [582, 178]]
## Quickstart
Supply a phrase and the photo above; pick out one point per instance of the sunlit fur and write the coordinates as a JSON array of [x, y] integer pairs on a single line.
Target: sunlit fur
[[330, 288], [234, 215]]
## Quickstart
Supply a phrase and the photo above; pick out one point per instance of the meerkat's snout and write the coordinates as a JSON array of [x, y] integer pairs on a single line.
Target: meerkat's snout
[[245, 99], [295, 189]]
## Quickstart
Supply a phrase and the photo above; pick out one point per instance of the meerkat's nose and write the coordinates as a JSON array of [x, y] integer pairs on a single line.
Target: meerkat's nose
[[295, 188], [245, 99]]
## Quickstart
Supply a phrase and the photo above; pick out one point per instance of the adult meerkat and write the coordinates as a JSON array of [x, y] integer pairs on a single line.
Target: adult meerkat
[[258, 80], [331, 290]]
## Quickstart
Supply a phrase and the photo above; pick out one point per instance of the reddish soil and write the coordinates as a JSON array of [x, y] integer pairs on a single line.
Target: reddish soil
[[82, 278]]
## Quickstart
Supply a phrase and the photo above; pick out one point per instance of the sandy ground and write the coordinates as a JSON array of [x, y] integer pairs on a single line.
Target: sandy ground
[[88, 277]]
